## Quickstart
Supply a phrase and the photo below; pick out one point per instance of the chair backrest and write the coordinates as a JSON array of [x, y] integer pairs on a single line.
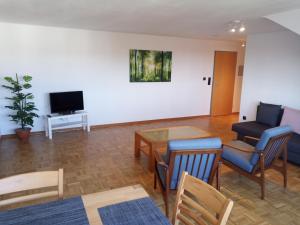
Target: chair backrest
[[272, 142], [200, 203], [199, 157], [31, 181]]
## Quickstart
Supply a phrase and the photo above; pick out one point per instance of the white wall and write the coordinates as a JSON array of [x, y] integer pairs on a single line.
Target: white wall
[[272, 71], [97, 62]]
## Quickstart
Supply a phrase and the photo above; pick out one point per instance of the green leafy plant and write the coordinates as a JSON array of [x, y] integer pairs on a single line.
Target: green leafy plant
[[22, 105]]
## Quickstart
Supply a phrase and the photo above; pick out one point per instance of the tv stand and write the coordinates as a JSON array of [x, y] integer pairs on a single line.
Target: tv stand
[[67, 113], [58, 121]]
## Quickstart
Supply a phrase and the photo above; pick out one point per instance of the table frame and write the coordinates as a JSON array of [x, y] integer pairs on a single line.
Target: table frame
[[151, 145]]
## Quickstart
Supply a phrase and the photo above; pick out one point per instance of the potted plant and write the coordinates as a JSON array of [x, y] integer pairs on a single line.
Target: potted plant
[[22, 106]]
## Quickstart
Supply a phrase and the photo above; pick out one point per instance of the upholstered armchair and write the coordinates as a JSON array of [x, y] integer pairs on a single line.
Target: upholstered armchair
[[199, 157], [253, 161]]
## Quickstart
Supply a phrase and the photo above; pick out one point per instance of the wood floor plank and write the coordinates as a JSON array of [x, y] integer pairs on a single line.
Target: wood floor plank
[[104, 159]]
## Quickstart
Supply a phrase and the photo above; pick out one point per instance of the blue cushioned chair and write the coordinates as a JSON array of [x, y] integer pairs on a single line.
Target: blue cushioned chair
[[199, 157], [251, 161]]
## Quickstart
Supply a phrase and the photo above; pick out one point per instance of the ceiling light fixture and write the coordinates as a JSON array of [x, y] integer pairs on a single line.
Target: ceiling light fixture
[[242, 28], [232, 30], [236, 25]]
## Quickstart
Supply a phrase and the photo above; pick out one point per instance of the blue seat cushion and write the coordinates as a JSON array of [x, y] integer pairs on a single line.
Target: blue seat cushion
[[192, 144], [266, 136], [239, 158], [198, 165], [200, 143], [272, 132]]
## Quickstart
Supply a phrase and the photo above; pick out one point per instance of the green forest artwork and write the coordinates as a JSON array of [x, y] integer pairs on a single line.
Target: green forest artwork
[[150, 66]]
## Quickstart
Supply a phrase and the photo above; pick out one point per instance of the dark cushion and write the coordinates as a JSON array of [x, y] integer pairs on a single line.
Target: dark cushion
[[251, 128], [294, 157], [294, 144], [269, 114]]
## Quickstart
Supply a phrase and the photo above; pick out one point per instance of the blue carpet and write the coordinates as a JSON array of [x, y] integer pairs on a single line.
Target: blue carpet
[[136, 212], [65, 212]]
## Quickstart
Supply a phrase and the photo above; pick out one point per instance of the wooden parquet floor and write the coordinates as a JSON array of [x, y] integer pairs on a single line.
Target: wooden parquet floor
[[104, 159]]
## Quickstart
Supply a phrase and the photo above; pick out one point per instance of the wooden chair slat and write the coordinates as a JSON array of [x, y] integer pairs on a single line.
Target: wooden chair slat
[[184, 220], [207, 195], [31, 181], [225, 213], [207, 215], [28, 198], [200, 213], [186, 211], [60, 183], [28, 181]]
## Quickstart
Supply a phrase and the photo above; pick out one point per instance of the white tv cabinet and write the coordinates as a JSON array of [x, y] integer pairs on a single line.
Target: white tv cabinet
[[57, 121]]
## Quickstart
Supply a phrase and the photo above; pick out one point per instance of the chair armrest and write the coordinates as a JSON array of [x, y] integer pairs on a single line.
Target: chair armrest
[[240, 149], [159, 160], [251, 138]]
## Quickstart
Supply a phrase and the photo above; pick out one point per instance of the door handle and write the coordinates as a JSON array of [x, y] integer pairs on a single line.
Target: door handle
[[209, 81]]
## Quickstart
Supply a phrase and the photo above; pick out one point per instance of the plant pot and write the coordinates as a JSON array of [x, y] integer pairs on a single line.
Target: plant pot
[[23, 134]]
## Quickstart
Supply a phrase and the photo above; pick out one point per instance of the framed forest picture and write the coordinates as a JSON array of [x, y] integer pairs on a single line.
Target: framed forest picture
[[150, 66]]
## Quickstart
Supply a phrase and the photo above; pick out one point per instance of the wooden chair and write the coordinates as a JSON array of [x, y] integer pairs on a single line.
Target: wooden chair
[[31, 181], [199, 157], [199, 203], [252, 162]]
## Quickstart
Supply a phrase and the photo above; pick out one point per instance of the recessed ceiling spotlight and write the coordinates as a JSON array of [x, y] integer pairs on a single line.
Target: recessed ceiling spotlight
[[242, 28], [236, 25]]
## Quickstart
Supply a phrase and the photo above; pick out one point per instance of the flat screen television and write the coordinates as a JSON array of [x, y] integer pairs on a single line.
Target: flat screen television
[[66, 102]]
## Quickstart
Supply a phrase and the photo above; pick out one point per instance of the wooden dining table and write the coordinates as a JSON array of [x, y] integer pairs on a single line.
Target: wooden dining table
[[97, 200], [90, 211]]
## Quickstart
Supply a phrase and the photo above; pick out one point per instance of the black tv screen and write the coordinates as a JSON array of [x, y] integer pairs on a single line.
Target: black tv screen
[[66, 102]]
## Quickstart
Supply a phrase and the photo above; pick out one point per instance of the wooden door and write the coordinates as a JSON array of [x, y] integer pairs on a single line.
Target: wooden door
[[223, 83]]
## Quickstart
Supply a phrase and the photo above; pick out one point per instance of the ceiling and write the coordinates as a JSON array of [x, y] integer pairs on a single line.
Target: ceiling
[[288, 19], [182, 18]]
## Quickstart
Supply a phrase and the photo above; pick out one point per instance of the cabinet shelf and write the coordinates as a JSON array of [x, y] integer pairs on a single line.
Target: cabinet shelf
[[56, 122]]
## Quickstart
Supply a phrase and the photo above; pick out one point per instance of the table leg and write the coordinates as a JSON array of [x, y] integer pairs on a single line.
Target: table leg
[[83, 122], [151, 160], [49, 128], [137, 145], [46, 127], [87, 123]]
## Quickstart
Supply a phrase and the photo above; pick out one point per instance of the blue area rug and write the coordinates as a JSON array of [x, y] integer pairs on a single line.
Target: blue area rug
[[136, 212], [65, 212]]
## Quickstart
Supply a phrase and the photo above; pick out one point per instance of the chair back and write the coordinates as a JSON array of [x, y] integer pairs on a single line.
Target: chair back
[[271, 143], [199, 157], [31, 181], [200, 203]]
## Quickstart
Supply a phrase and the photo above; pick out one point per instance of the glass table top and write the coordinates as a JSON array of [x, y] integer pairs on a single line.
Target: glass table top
[[173, 133]]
